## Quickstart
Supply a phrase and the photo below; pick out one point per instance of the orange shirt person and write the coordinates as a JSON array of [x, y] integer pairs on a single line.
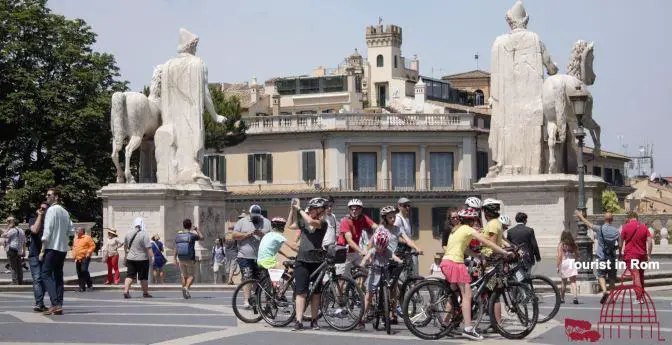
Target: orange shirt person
[[82, 249]]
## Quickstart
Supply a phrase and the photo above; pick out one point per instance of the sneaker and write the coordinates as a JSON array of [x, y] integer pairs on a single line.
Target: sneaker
[[471, 334], [40, 308], [562, 301], [53, 311], [246, 306], [146, 295], [575, 301], [127, 295], [188, 294], [298, 326], [314, 325], [604, 298], [185, 293], [107, 283]]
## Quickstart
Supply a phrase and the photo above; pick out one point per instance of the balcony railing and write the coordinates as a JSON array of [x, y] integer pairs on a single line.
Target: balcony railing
[[359, 122], [359, 185]]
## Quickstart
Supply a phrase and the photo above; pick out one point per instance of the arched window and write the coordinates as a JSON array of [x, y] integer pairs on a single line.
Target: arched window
[[395, 61], [379, 61], [480, 98]]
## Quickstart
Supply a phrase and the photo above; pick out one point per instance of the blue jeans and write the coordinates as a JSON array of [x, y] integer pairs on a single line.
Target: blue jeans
[[52, 275], [38, 285]]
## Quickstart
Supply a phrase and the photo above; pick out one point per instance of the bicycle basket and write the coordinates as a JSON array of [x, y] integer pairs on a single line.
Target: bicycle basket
[[337, 254]]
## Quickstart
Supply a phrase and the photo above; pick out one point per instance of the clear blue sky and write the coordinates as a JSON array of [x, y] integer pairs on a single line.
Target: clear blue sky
[[240, 39]]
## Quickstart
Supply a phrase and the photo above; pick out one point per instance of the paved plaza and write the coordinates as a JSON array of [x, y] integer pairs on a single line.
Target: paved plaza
[[103, 317]]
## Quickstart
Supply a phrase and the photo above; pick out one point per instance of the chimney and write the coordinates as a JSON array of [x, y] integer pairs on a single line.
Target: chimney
[[276, 105]]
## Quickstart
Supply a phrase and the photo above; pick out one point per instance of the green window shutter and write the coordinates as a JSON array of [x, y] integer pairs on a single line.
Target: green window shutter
[[311, 165], [304, 162], [250, 169], [269, 169], [206, 166], [415, 222], [221, 169]]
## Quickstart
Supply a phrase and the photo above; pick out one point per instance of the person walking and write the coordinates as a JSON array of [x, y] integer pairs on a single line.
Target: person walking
[[607, 243], [218, 260], [158, 275], [566, 256], [138, 257], [185, 254], [57, 231], [231, 255], [34, 248], [523, 236], [16, 241], [82, 250], [110, 256], [636, 247]]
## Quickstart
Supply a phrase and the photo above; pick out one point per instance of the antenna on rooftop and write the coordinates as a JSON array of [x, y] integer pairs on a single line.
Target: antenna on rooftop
[[476, 58], [380, 20]]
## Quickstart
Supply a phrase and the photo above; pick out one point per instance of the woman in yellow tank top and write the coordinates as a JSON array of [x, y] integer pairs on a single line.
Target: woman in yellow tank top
[[453, 267]]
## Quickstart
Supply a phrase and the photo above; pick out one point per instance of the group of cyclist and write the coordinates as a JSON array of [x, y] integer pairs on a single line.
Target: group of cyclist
[[374, 246]]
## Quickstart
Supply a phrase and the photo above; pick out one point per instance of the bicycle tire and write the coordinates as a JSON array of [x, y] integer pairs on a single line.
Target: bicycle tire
[[255, 304], [556, 291], [375, 306], [270, 319], [386, 309], [444, 292], [535, 310], [349, 286], [408, 284]]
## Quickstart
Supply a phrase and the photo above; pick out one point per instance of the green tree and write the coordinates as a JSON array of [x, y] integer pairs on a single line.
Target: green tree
[[230, 133], [610, 202], [54, 110]]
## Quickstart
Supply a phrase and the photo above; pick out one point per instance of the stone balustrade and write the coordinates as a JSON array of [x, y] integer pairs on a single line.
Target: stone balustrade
[[359, 122], [658, 224]]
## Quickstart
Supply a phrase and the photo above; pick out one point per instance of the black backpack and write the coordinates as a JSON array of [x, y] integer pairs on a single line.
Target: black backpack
[[608, 247]]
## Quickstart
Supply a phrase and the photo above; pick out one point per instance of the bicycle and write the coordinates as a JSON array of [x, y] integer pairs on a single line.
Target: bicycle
[[548, 294], [380, 301], [487, 290]]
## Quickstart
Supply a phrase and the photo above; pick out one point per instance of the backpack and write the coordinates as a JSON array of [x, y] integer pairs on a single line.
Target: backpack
[[608, 247], [184, 245]]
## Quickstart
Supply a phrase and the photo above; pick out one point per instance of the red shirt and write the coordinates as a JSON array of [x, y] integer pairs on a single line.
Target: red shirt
[[355, 228], [635, 234]]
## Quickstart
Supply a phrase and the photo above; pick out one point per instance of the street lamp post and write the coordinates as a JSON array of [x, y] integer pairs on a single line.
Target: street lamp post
[[578, 97]]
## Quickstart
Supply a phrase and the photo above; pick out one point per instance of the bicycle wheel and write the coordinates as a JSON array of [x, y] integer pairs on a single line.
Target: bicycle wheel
[[431, 320], [276, 304], [375, 306], [247, 308], [386, 308], [548, 296], [405, 287], [522, 310], [342, 303]]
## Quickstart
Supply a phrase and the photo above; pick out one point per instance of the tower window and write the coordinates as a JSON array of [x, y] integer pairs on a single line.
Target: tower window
[[395, 61], [379, 61]]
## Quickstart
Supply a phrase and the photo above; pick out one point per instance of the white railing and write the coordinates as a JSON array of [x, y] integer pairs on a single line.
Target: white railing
[[365, 122]]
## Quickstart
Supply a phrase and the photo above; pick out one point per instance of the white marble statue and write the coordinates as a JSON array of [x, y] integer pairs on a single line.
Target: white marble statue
[[184, 93], [517, 77], [559, 118], [134, 116]]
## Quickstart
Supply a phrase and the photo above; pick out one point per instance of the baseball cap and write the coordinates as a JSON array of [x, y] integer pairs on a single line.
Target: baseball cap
[[255, 210], [402, 201]]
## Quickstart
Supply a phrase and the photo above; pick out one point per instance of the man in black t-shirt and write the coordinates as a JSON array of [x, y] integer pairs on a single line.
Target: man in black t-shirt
[[313, 228], [34, 248]]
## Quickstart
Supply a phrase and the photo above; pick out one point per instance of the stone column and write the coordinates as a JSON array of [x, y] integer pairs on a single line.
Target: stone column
[[385, 173], [147, 164], [423, 183], [468, 163], [275, 104]]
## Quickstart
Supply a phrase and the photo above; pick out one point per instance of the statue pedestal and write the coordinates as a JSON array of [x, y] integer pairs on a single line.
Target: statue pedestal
[[549, 201], [164, 207]]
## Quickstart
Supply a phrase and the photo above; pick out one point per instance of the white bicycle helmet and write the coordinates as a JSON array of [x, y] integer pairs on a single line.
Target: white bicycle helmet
[[474, 202], [491, 202], [355, 202], [505, 220], [387, 210], [316, 203]]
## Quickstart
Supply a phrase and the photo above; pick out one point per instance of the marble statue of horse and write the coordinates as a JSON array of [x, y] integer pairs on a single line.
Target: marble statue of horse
[[559, 118], [134, 116]]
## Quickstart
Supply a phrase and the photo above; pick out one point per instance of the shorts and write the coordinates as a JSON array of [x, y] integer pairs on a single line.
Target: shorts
[[344, 269], [248, 268], [187, 268], [302, 273], [137, 269], [609, 274], [373, 278], [455, 272], [268, 263]]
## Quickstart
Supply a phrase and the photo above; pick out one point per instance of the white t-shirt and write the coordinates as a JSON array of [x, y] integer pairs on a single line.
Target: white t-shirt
[[330, 235], [404, 224], [435, 271]]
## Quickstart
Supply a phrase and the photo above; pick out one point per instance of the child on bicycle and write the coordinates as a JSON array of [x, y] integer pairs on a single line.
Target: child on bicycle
[[455, 271], [379, 255], [272, 244]]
